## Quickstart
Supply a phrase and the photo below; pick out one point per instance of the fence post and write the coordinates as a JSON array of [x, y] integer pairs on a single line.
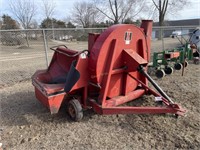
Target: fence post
[[181, 35], [162, 34], [45, 47]]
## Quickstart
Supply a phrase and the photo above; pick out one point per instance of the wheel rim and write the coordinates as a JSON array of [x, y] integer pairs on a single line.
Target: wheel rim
[[160, 73], [168, 70], [178, 66], [71, 111]]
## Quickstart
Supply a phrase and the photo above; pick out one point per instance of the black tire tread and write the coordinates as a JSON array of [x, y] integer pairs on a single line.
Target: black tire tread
[[78, 110]]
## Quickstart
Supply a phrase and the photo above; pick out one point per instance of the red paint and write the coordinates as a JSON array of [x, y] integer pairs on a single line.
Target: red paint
[[51, 102], [108, 77], [172, 55], [118, 100]]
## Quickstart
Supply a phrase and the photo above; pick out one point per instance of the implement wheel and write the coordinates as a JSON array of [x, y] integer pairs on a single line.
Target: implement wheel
[[75, 110], [186, 64], [160, 73], [178, 66], [168, 70], [196, 60]]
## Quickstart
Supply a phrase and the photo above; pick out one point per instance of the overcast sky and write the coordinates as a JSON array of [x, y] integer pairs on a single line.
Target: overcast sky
[[64, 9]]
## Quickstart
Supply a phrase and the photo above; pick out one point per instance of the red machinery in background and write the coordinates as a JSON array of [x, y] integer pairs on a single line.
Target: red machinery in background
[[110, 73]]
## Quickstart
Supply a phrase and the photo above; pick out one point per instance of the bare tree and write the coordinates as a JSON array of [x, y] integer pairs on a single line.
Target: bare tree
[[48, 7], [24, 11], [163, 7], [119, 10], [84, 13]]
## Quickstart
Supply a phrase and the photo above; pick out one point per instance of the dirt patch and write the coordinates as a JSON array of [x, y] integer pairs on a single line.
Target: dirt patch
[[26, 124], [24, 47]]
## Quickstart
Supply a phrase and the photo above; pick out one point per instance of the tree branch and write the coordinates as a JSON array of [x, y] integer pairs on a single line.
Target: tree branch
[[166, 6], [110, 3], [105, 14], [126, 13], [155, 4]]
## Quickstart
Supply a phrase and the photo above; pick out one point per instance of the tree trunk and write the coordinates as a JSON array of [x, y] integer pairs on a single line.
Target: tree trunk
[[161, 23], [161, 20], [27, 41], [116, 14]]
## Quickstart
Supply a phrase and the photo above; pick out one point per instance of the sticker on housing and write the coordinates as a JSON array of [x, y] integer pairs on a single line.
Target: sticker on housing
[[128, 37], [158, 99]]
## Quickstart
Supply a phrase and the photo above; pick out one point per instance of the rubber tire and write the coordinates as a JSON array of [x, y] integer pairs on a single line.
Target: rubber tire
[[186, 64], [178, 66], [160, 73], [169, 70], [75, 110], [196, 61]]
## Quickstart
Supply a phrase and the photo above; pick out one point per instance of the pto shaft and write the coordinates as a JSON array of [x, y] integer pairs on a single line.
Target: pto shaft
[[141, 70]]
